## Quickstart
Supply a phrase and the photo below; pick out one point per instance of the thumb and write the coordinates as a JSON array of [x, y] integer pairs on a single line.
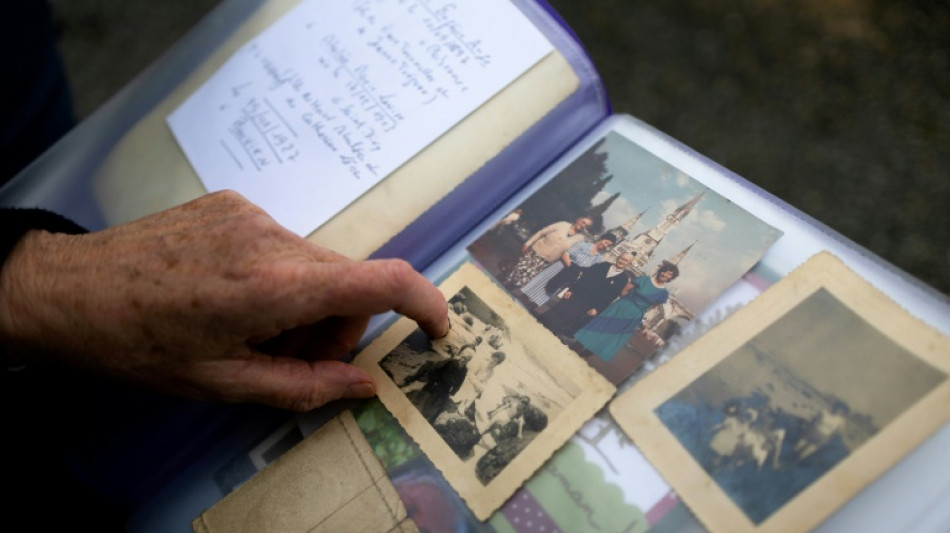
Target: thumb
[[299, 385]]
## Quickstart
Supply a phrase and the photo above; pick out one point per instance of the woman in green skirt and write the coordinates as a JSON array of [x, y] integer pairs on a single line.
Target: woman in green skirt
[[609, 331]]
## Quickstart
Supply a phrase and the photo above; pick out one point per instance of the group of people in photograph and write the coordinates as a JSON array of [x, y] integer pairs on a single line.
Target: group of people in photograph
[[745, 435], [579, 294], [455, 388], [767, 437]]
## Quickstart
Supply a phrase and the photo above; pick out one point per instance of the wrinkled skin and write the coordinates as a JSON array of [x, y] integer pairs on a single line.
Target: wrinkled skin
[[210, 300]]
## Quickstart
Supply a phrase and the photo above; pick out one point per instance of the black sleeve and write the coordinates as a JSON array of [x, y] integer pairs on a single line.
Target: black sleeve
[[15, 222]]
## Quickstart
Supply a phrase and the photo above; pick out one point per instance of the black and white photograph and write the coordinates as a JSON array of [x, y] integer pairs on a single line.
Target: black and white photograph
[[487, 405], [821, 384], [794, 401], [619, 251], [493, 399]]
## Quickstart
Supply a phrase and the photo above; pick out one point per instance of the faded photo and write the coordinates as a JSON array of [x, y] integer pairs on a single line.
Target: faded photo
[[619, 251], [794, 401], [486, 395], [491, 401]]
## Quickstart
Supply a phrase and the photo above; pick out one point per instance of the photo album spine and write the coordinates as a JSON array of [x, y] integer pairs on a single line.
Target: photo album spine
[[518, 163]]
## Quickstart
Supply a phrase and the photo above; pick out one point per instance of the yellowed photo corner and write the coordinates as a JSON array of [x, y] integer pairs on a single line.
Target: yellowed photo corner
[[487, 421], [895, 395]]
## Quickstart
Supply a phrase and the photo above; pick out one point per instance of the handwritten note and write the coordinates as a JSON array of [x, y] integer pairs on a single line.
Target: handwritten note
[[337, 94]]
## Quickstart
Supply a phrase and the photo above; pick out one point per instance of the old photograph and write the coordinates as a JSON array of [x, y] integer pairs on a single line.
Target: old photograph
[[493, 399], [486, 405], [619, 251], [812, 389]]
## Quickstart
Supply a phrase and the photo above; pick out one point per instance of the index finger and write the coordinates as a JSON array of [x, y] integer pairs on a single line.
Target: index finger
[[362, 288]]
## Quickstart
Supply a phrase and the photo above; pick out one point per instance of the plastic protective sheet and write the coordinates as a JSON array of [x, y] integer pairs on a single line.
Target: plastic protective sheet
[[909, 496], [62, 179], [906, 498]]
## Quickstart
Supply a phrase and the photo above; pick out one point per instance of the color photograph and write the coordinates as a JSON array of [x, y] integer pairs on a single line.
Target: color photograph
[[619, 251]]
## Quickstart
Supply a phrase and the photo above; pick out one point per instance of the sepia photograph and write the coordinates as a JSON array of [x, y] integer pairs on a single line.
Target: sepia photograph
[[827, 375], [486, 405], [619, 251], [491, 401]]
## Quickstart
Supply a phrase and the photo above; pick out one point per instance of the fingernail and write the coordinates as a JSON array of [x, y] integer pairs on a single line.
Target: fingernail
[[362, 389], [446, 329]]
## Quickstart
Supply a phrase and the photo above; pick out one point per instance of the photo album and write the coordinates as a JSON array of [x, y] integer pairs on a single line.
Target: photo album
[[640, 338]]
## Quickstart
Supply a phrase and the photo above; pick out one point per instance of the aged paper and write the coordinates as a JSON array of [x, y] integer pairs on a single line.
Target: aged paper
[[782, 413], [334, 96], [331, 481], [490, 402], [147, 171]]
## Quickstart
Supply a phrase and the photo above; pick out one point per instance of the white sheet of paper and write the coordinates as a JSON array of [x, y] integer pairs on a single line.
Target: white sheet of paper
[[336, 95]]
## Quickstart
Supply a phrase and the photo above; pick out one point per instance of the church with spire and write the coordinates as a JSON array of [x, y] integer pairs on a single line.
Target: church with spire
[[676, 259], [661, 322], [622, 231], [644, 244]]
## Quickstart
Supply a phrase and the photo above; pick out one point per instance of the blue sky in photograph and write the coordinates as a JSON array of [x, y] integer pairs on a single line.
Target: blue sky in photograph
[[728, 240]]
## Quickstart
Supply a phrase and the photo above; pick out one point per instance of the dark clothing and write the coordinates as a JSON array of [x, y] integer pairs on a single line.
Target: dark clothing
[[35, 105], [90, 448], [441, 384], [593, 290], [15, 222], [80, 451]]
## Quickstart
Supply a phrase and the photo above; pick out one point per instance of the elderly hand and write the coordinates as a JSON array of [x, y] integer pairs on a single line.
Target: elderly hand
[[210, 300]]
